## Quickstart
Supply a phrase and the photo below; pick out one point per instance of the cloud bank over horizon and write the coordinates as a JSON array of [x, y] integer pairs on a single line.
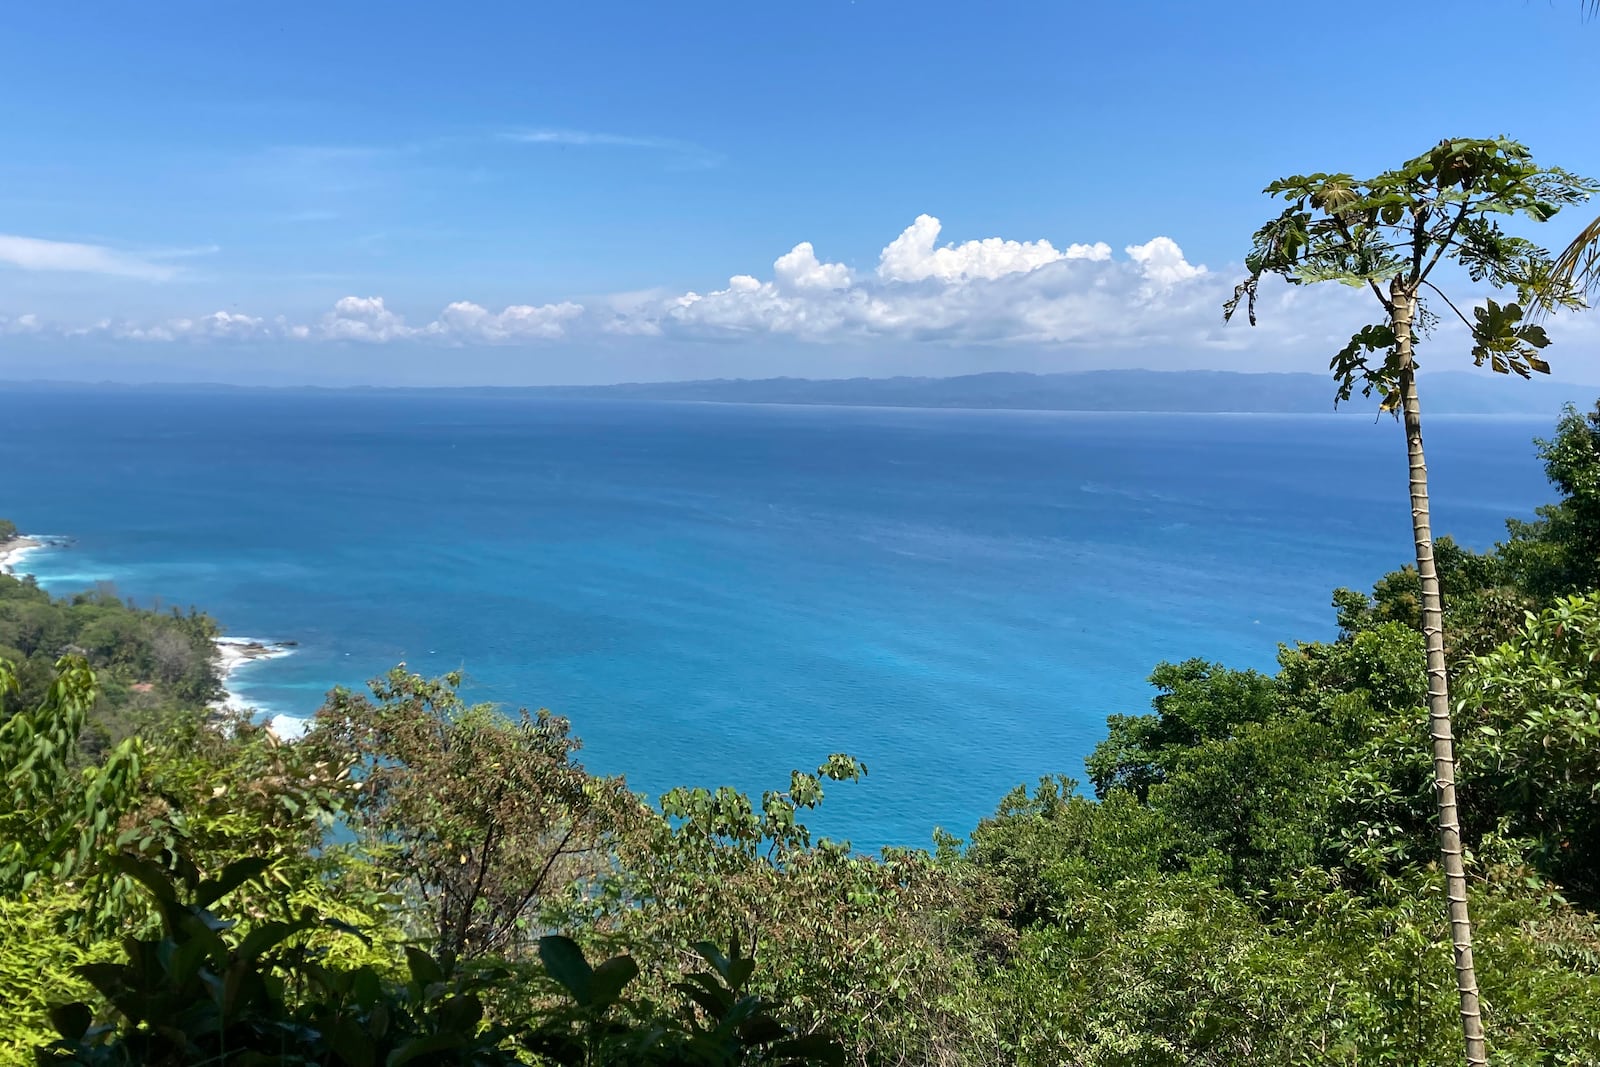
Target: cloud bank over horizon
[[991, 291], [991, 294]]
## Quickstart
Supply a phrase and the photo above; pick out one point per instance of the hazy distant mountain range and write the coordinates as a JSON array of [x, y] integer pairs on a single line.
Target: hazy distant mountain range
[[1109, 390], [1102, 390]]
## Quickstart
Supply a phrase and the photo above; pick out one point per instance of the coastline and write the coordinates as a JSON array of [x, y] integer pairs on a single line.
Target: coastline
[[17, 549], [232, 653], [236, 653]]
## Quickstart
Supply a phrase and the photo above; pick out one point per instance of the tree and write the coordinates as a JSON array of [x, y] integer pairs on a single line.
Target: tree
[[1390, 233], [1195, 702], [480, 816], [1559, 553], [871, 949], [1535, 749]]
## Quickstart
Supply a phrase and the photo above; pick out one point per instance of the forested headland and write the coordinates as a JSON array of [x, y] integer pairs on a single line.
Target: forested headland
[[1248, 872]]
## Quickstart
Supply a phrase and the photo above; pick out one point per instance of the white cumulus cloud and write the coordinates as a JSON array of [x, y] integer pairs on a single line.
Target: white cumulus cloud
[[367, 318], [363, 318], [217, 326], [20, 324], [1162, 261], [467, 321], [912, 256], [799, 268], [988, 291]]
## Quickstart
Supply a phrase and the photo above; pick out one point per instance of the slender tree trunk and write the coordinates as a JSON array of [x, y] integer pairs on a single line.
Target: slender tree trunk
[[1439, 731]]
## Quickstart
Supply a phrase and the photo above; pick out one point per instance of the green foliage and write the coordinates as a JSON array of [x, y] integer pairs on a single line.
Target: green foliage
[[1389, 232], [872, 950], [479, 817], [208, 990], [8, 531], [142, 658], [1165, 971], [204, 992], [53, 818], [1531, 741], [1042, 849], [39, 957], [1195, 702], [725, 1025], [1559, 553], [1257, 882]]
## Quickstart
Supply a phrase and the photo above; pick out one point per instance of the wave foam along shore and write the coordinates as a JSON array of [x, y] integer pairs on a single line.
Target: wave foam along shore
[[236, 652], [232, 652], [19, 548]]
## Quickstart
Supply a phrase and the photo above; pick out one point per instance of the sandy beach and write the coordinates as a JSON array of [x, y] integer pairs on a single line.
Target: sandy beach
[[14, 551]]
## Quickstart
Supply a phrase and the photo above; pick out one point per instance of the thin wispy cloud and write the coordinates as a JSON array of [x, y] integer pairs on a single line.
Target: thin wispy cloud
[[39, 254], [683, 153], [182, 253]]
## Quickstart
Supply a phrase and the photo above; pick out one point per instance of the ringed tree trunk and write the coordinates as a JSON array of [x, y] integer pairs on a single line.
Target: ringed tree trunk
[[1439, 729]]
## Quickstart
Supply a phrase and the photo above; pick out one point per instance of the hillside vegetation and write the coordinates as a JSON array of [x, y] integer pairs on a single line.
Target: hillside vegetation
[[1247, 874], [145, 661]]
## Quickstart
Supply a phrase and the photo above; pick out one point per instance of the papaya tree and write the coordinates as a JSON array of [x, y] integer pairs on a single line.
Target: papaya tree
[[1404, 235]]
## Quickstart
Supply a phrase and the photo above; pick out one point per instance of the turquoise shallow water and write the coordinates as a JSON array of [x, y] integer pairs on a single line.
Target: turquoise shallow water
[[719, 593]]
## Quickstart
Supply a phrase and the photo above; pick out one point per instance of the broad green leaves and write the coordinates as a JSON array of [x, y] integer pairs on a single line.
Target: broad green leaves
[[592, 988], [1509, 344], [1351, 364]]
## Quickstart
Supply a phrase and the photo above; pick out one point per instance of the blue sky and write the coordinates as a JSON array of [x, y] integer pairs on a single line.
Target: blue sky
[[301, 192]]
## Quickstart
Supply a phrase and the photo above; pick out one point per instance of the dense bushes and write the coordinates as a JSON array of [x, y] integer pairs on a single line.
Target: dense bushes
[[200, 991]]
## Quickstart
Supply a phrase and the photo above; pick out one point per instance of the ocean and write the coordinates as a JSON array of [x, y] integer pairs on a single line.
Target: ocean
[[715, 594]]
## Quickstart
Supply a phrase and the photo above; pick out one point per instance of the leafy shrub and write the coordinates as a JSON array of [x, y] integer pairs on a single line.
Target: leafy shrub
[[207, 991]]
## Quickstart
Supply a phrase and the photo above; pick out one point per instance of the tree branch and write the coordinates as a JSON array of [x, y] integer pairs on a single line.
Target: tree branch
[[464, 921], [1349, 239], [1448, 303], [560, 848], [1450, 235], [1419, 231], [1578, 265]]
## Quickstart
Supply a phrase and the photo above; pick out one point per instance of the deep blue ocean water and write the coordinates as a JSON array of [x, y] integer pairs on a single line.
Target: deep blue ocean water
[[716, 594]]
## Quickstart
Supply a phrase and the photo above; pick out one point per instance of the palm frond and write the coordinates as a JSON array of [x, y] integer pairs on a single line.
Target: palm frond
[[1578, 265]]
